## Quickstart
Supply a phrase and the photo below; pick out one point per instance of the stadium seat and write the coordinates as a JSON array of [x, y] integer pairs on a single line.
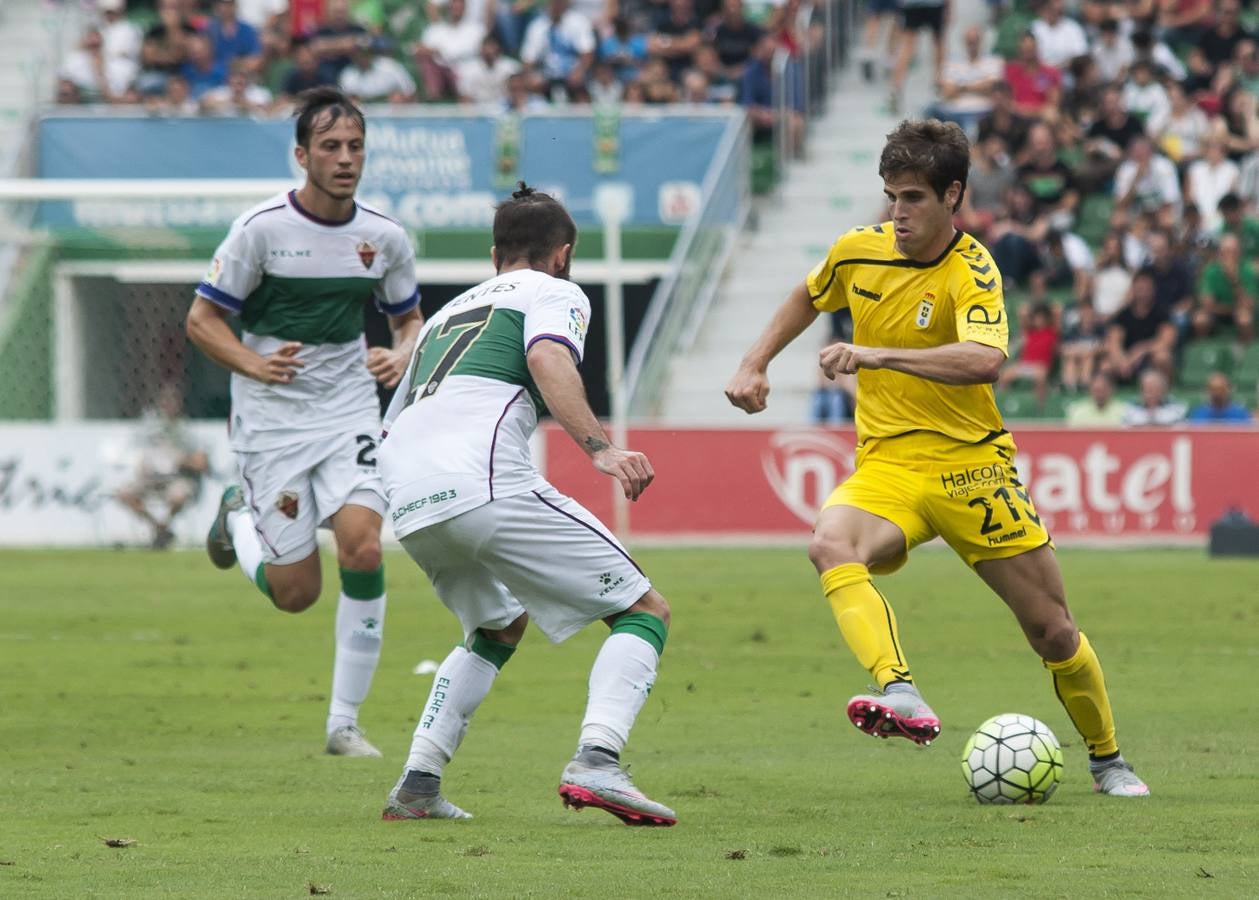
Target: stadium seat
[[764, 168], [1245, 372], [1202, 357], [1012, 26], [1017, 403]]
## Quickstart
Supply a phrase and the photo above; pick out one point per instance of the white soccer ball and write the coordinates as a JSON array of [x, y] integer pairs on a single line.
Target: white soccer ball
[[1012, 758]]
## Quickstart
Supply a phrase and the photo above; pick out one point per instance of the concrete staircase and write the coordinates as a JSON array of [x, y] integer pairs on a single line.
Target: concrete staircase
[[834, 188]]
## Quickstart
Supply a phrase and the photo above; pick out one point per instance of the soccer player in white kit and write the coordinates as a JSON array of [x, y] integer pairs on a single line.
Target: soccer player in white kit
[[305, 415], [500, 545]]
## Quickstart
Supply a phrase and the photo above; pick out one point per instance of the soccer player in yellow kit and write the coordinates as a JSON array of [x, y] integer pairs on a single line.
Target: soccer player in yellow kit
[[933, 457]]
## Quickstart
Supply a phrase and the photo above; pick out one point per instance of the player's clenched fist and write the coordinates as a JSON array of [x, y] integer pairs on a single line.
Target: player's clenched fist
[[387, 366], [281, 366], [846, 359], [631, 468], [748, 390]]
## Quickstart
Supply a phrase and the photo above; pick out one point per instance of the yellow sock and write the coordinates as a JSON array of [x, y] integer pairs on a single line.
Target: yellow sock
[[866, 621], [1081, 689]]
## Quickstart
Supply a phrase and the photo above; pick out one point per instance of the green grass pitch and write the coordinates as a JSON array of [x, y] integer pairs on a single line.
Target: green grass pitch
[[152, 698]]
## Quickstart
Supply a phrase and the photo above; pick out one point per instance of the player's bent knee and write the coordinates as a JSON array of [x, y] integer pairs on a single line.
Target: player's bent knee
[[651, 602], [364, 556], [294, 596], [827, 552]]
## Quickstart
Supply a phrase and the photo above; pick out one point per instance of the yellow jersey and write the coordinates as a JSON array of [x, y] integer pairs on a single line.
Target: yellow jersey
[[904, 303]]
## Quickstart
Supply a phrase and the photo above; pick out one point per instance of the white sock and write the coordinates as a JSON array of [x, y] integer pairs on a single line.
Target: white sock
[[240, 527], [620, 680], [360, 624], [459, 686]]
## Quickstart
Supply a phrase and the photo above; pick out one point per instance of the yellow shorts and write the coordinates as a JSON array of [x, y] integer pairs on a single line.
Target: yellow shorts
[[928, 485]]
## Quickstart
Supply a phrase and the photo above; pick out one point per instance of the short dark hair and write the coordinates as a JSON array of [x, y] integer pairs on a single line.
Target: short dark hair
[[531, 225], [1230, 202], [311, 103], [938, 151]]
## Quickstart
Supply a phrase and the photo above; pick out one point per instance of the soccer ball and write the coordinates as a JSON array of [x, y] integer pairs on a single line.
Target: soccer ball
[[1012, 758]]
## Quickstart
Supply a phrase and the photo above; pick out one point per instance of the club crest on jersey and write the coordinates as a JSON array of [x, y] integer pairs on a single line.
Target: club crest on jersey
[[286, 503], [576, 322], [925, 309], [216, 269], [366, 253]]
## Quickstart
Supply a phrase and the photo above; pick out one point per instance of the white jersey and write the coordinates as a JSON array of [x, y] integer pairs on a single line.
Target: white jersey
[[294, 277], [457, 432]]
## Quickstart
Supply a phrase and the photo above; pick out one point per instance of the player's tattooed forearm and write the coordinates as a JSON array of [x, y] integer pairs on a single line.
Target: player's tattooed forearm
[[594, 444]]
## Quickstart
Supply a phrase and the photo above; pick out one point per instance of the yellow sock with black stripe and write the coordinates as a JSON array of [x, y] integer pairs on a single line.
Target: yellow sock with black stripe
[[1081, 689], [866, 621]]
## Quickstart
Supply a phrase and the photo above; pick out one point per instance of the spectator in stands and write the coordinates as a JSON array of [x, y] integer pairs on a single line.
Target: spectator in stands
[[241, 96], [606, 90], [307, 71], [1049, 180], [1209, 179], [676, 35], [120, 37], [170, 469], [1238, 123], [708, 81], [1146, 181], [1059, 38], [261, 14], [373, 76], [1038, 346], [1233, 220], [1015, 236], [337, 36], [991, 176], [1066, 263], [232, 39], [1112, 51], [625, 48], [165, 47], [1226, 292], [881, 16], [483, 80], [1005, 121], [734, 38], [1080, 349], [511, 20], [448, 43], [756, 95], [1035, 88], [1143, 95], [1154, 407], [1173, 280], [1113, 281], [917, 16], [560, 46], [521, 97], [966, 84], [202, 70], [1220, 408], [177, 99], [89, 75], [1220, 41], [1100, 409], [656, 85], [1160, 57], [1107, 140], [1181, 132], [1183, 22], [1141, 335]]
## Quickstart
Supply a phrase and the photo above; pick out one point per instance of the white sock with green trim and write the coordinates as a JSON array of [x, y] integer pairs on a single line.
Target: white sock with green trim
[[244, 535], [360, 625], [461, 682], [620, 680]]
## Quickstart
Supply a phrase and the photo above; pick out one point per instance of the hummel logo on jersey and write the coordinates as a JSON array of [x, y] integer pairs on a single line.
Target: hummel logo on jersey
[[869, 295], [290, 254], [366, 253]]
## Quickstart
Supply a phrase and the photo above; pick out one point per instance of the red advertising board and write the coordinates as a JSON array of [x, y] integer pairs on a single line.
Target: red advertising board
[[1146, 484]]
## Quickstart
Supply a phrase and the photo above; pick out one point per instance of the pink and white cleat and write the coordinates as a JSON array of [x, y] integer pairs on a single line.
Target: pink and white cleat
[[899, 711], [1116, 778], [594, 778]]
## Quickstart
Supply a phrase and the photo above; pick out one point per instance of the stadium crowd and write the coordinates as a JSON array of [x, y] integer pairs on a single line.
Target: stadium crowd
[[1115, 180], [251, 57]]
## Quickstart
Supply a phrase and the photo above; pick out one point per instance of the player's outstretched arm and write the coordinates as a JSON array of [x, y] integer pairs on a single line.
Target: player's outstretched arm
[[748, 388], [207, 328], [965, 362], [555, 373]]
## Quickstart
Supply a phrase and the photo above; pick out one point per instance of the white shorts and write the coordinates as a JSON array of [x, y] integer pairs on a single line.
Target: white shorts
[[292, 490], [539, 552]]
